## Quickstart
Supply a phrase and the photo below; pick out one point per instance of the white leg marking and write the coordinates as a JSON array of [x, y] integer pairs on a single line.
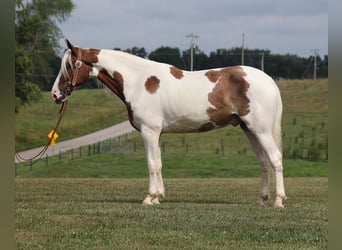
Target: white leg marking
[[275, 157], [156, 186]]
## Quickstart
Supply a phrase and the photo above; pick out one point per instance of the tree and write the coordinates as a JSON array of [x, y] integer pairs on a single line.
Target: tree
[[167, 55], [37, 35], [137, 51]]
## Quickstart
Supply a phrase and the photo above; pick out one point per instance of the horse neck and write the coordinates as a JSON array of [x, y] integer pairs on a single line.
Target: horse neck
[[125, 63], [117, 69]]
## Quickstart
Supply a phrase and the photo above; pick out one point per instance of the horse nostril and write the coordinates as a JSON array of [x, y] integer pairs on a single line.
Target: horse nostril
[[54, 96]]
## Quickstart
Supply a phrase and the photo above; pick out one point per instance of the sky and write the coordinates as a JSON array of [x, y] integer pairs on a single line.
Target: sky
[[291, 26]]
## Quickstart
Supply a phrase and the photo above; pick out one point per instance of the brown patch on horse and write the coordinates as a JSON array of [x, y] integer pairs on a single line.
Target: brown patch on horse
[[118, 79], [212, 75], [152, 84], [90, 55], [176, 72], [229, 96], [130, 115], [114, 82]]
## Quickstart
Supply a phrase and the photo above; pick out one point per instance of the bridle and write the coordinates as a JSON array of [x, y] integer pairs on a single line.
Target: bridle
[[70, 86], [72, 81]]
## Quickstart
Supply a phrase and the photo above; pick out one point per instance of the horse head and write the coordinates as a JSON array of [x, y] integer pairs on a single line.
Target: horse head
[[76, 68]]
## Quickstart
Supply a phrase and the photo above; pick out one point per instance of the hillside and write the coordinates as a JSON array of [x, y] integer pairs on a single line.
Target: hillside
[[87, 112]]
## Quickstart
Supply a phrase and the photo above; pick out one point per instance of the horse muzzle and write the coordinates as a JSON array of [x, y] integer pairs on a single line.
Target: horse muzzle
[[60, 100], [62, 95]]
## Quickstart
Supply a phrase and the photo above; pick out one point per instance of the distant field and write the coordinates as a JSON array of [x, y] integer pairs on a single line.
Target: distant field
[[196, 214]]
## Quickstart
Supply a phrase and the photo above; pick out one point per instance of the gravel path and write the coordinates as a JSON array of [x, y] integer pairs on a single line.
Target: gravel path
[[101, 135]]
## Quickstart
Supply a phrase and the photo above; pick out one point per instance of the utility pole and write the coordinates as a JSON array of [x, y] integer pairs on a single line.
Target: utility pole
[[243, 49], [315, 63], [262, 60], [192, 37]]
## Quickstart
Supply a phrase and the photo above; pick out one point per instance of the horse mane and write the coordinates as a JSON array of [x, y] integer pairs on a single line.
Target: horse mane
[[66, 59]]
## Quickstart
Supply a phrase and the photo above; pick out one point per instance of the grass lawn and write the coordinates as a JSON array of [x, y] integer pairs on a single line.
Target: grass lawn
[[211, 213]]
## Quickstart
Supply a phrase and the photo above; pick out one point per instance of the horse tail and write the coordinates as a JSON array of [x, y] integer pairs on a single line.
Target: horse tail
[[276, 129]]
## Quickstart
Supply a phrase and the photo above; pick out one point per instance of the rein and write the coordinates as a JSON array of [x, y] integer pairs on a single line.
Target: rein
[[45, 148], [61, 112]]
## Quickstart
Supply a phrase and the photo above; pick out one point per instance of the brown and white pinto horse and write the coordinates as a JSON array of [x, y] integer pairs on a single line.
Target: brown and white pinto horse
[[161, 98]]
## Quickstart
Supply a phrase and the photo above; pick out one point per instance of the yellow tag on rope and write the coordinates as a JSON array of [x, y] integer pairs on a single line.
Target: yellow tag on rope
[[55, 136]]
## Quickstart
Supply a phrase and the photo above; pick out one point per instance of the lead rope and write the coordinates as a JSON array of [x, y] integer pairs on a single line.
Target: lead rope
[[45, 148]]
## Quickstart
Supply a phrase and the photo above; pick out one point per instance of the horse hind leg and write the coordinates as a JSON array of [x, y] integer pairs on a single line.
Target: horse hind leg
[[274, 155], [264, 164]]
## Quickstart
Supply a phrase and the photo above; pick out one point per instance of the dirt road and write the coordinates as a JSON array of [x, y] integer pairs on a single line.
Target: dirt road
[[101, 135]]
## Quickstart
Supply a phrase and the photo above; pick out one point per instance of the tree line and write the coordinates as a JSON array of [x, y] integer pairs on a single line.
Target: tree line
[[37, 64], [287, 66]]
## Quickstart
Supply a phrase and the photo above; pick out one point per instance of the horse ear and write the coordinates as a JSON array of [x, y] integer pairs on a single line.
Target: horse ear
[[68, 43], [71, 47]]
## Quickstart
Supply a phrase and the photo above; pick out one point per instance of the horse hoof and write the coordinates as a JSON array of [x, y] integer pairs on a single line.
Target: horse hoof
[[260, 202], [278, 202], [147, 201], [155, 201], [278, 206]]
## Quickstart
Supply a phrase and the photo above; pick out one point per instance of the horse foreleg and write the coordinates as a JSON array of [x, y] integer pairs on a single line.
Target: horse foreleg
[[156, 189]]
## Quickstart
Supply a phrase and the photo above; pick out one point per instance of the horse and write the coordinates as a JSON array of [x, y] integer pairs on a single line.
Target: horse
[[161, 98]]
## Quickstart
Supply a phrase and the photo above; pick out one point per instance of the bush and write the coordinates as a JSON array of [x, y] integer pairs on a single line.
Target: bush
[[26, 93]]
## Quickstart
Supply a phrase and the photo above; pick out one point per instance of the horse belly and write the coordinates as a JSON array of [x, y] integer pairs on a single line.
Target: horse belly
[[185, 124]]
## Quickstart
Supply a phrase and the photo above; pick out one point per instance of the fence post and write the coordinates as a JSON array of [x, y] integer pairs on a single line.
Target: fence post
[[72, 154], [60, 156], [89, 149], [222, 148], [80, 150], [46, 160], [31, 165]]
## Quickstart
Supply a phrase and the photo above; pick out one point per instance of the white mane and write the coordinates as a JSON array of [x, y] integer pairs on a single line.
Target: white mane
[[66, 59]]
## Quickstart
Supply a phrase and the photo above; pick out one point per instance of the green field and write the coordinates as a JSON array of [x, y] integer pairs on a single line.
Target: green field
[[196, 214]]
